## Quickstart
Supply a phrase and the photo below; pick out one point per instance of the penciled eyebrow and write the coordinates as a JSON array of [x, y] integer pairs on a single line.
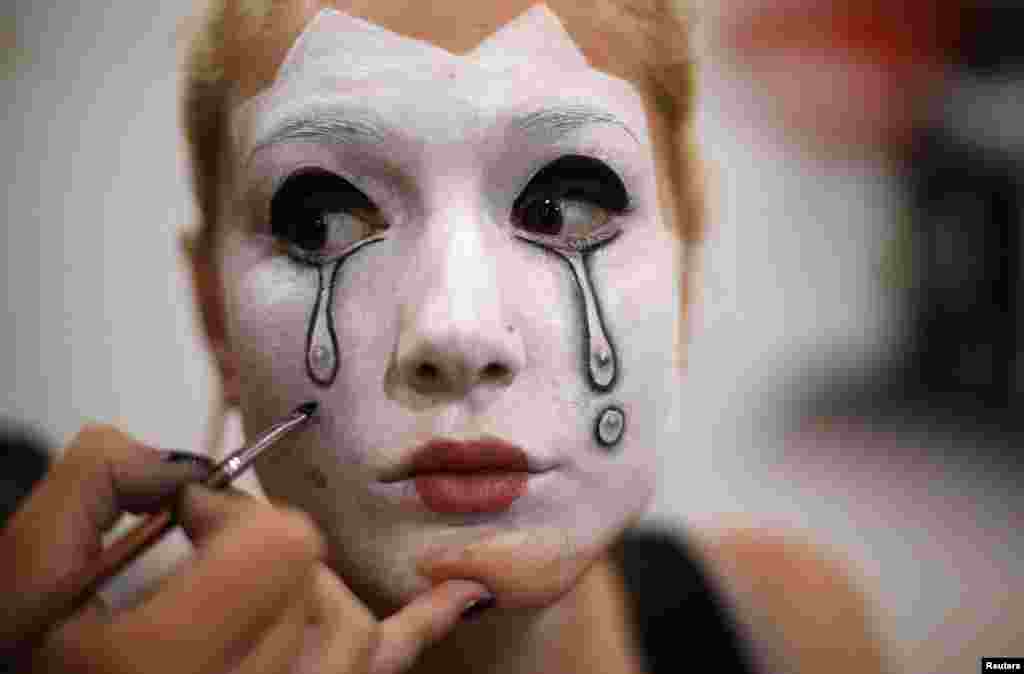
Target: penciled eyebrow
[[546, 125], [553, 124], [325, 127]]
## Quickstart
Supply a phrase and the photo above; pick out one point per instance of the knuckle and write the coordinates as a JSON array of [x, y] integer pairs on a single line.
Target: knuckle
[[94, 432], [94, 441], [90, 428]]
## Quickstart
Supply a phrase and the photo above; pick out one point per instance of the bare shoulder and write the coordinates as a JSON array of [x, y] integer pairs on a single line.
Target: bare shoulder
[[800, 604]]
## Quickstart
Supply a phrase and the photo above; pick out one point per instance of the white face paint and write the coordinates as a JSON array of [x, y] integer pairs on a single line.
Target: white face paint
[[468, 316]]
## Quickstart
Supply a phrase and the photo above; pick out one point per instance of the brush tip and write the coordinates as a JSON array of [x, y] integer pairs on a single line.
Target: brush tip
[[307, 409]]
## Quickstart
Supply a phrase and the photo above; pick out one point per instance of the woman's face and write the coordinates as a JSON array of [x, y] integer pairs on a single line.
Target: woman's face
[[462, 258]]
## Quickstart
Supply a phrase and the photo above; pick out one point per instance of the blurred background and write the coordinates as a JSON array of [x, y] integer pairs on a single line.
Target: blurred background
[[854, 373]]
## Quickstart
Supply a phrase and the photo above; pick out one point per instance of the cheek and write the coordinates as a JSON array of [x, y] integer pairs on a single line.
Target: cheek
[[274, 307], [636, 281], [269, 302], [639, 285]]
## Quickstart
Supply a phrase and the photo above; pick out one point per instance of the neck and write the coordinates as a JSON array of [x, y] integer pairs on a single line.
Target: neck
[[559, 638]]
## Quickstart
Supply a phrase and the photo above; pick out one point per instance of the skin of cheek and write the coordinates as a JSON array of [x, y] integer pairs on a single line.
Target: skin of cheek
[[268, 303]]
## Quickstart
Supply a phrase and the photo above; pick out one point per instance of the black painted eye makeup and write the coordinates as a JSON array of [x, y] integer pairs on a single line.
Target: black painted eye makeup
[[570, 204], [318, 215]]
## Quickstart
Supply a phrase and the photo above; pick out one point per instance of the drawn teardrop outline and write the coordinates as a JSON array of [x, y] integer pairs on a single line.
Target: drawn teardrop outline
[[322, 361], [600, 360]]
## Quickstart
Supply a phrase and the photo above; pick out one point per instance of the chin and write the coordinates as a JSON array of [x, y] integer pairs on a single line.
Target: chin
[[529, 567], [525, 567]]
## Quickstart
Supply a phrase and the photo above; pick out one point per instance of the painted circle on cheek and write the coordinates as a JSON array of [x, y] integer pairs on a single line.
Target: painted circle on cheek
[[611, 425]]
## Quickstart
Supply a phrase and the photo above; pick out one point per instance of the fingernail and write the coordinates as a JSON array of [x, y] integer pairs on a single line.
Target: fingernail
[[478, 606], [176, 456]]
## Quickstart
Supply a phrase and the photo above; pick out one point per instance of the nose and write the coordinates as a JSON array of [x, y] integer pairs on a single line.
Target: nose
[[454, 341], [446, 359]]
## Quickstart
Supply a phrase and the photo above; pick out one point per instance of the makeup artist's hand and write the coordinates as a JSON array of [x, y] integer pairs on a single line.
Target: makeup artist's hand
[[248, 602]]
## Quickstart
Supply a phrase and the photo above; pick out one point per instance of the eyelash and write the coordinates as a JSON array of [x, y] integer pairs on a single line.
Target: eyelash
[[572, 192]]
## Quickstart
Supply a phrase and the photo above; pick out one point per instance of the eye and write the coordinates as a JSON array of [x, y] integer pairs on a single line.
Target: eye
[[570, 203], [318, 214]]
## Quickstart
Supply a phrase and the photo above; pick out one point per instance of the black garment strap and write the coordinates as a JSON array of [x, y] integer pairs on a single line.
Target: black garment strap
[[680, 619]]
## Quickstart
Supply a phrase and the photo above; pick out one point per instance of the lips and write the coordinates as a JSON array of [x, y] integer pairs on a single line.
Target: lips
[[482, 476]]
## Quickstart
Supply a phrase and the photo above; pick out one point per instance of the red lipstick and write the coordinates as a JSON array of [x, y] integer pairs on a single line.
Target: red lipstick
[[482, 476]]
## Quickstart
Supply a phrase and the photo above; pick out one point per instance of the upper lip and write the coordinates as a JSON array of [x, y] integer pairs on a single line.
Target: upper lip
[[488, 455]]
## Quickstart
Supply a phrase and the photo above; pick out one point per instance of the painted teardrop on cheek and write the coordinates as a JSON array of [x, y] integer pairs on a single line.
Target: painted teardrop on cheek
[[601, 361], [322, 347], [322, 341]]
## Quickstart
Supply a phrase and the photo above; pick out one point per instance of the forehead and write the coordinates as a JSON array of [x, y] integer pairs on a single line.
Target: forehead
[[258, 41], [343, 60]]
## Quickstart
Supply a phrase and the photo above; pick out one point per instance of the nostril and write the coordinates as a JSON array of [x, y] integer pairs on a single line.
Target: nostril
[[494, 372], [427, 373]]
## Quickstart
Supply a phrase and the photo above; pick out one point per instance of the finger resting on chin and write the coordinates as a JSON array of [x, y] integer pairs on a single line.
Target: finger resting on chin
[[426, 620]]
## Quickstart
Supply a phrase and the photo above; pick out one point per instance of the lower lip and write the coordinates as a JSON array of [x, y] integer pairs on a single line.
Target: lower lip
[[470, 493]]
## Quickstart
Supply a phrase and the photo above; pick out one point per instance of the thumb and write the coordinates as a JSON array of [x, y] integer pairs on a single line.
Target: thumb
[[431, 616]]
